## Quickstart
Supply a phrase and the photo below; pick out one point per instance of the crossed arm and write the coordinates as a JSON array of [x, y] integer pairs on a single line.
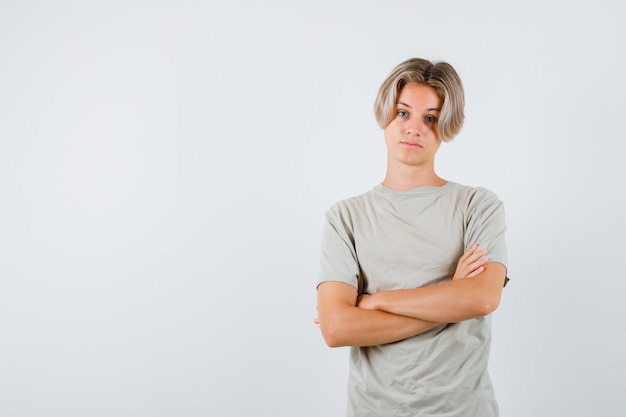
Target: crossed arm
[[347, 319]]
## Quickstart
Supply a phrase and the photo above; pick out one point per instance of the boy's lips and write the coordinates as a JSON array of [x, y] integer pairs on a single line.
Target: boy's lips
[[411, 144]]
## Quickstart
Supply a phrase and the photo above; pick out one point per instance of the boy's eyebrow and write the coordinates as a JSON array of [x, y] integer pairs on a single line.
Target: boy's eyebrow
[[406, 105]]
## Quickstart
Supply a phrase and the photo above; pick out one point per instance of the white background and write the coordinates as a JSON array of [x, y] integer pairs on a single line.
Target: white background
[[165, 167]]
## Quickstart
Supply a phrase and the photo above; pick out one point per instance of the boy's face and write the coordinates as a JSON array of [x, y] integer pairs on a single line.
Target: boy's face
[[412, 137]]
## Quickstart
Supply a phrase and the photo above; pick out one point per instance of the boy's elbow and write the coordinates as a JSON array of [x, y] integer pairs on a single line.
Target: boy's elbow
[[485, 310], [488, 304], [333, 343], [332, 338], [490, 288], [487, 295], [332, 334]]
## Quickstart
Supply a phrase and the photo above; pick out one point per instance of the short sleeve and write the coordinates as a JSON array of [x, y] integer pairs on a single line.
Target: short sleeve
[[338, 259], [486, 225]]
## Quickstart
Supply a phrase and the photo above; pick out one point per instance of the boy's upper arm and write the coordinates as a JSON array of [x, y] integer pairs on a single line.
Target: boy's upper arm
[[331, 294]]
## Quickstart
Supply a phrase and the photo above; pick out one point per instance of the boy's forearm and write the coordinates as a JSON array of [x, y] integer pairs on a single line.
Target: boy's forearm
[[354, 326], [449, 302]]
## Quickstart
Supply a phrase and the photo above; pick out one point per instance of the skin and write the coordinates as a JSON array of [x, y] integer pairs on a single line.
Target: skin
[[412, 139], [347, 319]]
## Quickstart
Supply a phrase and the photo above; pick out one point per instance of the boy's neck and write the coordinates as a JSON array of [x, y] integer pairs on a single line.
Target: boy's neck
[[403, 178]]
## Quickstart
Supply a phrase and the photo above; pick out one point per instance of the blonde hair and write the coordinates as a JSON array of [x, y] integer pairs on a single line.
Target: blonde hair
[[441, 76]]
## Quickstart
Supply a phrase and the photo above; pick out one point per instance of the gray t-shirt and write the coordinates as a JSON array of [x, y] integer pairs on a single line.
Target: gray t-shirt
[[385, 240]]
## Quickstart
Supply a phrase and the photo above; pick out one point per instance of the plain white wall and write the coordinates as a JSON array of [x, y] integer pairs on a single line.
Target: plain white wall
[[165, 166]]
